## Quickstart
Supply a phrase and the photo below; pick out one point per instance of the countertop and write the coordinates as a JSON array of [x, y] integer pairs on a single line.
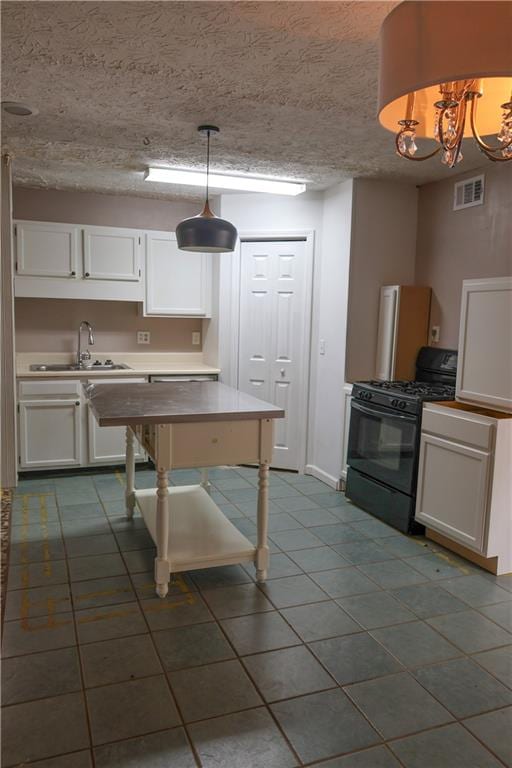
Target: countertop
[[140, 364], [170, 403]]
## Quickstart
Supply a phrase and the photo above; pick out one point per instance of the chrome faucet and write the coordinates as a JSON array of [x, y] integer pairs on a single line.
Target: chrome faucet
[[81, 356]]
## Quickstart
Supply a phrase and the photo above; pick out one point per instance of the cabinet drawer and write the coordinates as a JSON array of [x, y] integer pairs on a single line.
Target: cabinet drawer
[[459, 426], [54, 388]]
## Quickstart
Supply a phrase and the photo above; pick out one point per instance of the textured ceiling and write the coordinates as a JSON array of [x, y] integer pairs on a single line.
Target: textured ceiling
[[292, 85]]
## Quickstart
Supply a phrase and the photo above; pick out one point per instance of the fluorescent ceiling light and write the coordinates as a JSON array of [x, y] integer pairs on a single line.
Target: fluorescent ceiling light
[[220, 181]]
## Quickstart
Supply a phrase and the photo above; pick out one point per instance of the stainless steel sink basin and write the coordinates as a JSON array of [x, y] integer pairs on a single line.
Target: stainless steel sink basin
[[74, 367]]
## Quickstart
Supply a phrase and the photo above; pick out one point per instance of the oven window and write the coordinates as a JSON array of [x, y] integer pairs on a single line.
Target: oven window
[[387, 451], [382, 444]]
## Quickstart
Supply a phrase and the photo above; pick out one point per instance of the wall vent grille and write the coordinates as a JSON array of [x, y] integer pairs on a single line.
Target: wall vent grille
[[468, 193]]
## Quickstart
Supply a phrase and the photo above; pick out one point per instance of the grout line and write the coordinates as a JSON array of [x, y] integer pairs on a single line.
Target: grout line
[[140, 600]]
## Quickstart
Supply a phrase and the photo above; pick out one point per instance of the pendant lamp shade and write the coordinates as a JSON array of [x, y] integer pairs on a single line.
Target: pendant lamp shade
[[205, 232]]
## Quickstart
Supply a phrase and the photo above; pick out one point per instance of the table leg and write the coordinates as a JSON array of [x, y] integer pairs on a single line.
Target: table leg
[[262, 551], [130, 473], [205, 483], [162, 568]]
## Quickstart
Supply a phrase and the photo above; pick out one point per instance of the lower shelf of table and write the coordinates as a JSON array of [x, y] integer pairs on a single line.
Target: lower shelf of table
[[200, 535]]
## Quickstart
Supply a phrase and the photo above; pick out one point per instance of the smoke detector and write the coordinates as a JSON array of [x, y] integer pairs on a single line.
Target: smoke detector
[[18, 108]]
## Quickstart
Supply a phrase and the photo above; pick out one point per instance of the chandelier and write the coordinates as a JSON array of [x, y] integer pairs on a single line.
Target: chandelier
[[446, 74]]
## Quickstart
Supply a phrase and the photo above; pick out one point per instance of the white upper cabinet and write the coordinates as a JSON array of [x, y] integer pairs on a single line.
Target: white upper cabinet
[[47, 250], [484, 372], [98, 262], [177, 282], [112, 254]]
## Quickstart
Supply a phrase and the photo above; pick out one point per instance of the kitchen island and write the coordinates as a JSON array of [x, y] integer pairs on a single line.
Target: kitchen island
[[187, 425]]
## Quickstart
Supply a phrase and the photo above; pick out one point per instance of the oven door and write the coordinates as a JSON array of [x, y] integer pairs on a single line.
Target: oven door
[[383, 445]]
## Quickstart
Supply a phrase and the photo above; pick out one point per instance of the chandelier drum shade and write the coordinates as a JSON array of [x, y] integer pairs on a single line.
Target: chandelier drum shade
[[445, 74], [206, 232]]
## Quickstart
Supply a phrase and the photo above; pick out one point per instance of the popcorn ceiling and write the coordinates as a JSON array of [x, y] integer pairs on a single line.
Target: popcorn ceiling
[[292, 85]]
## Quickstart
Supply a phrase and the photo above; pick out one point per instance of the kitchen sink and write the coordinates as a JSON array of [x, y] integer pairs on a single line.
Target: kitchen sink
[[74, 367]]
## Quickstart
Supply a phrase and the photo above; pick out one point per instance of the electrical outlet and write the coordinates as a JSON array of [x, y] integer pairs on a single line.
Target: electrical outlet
[[143, 337], [435, 334], [322, 346], [196, 337]]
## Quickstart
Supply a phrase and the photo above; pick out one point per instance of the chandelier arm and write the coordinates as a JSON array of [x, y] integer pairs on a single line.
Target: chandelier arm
[[456, 144], [413, 157], [486, 148], [494, 158]]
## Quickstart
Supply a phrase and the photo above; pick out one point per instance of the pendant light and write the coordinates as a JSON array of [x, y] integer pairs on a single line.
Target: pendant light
[[205, 232]]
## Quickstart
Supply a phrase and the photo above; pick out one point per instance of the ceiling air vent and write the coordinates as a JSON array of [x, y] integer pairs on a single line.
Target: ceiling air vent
[[468, 193]]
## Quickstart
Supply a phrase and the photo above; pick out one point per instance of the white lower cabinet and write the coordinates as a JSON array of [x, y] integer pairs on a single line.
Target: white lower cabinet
[[107, 445], [464, 487], [50, 433], [57, 429], [452, 496]]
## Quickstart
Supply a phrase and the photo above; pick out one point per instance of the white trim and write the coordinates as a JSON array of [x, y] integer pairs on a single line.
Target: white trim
[[334, 482], [8, 420], [230, 323], [347, 397]]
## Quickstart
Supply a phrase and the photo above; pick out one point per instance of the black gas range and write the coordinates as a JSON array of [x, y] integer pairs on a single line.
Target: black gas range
[[384, 437]]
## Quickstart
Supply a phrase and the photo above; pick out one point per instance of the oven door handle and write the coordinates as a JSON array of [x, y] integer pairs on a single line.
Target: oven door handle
[[383, 411]]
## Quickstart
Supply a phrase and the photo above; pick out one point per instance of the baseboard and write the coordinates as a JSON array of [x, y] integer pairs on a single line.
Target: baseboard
[[334, 482]]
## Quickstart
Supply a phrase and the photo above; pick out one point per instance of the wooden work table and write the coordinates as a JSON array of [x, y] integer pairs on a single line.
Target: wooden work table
[[184, 425]]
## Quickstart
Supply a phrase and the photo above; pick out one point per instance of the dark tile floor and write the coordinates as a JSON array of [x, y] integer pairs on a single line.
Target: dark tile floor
[[365, 648]]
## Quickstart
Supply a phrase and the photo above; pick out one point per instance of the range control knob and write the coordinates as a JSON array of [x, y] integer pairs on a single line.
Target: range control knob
[[109, 362], [402, 404], [96, 362], [394, 402]]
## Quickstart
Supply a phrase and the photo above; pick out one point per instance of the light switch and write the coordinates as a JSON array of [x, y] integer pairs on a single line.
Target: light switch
[[435, 334], [196, 337], [322, 346]]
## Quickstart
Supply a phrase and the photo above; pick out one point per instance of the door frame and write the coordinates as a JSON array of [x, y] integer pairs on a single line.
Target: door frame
[[232, 325]]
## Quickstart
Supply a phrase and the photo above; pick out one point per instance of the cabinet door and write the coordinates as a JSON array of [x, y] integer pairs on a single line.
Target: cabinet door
[[107, 445], [453, 488], [112, 254], [46, 250], [484, 371], [388, 309], [50, 433], [177, 282]]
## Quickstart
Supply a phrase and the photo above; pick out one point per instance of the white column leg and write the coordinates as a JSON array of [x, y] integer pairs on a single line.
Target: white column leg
[[205, 483], [162, 565], [130, 473], [262, 552]]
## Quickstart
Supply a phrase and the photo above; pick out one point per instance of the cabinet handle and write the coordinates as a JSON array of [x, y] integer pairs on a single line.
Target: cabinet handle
[[77, 402], [87, 274], [73, 273]]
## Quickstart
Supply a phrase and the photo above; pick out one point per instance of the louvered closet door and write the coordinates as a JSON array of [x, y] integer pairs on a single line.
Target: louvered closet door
[[272, 311]]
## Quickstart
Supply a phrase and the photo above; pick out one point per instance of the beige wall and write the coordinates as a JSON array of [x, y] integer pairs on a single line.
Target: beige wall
[[457, 245], [50, 325], [383, 246], [99, 210]]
